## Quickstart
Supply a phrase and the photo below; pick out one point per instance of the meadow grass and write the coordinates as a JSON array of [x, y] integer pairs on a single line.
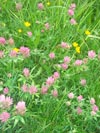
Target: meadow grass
[[46, 113]]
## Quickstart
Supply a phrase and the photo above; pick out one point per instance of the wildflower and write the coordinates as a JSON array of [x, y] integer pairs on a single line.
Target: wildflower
[[64, 66], [27, 24], [25, 51], [5, 90], [78, 62], [87, 32], [5, 102], [58, 66], [50, 81], [73, 6], [75, 44], [73, 21], [95, 108], [48, 3], [37, 22], [25, 88], [29, 33], [92, 101], [33, 90], [20, 107], [16, 50], [71, 95], [40, 6], [54, 93], [44, 89], [79, 110], [70, 12], [19, 30], [47, 26], [91, 54], [42, 31], [66, 59], [1, 54], [56, 75], [63, 44], [13, 53], [4, 116], [8, 102], [52, 55], [93, 113], [80, 98], [18, 6], [9, 75], [2, 40], [68, 103], [26, 72], [83, 82], [85, 60], [78, 50], [11, 41]]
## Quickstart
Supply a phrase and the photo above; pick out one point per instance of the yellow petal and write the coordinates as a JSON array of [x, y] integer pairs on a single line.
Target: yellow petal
[[27, 24], [87, 32], [16, 49], [75, 44]]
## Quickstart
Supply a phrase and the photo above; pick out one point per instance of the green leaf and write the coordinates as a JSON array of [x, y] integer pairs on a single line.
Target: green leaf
[[37, 40], [22, 120], [1, 88], [38, 73], [16, 121]]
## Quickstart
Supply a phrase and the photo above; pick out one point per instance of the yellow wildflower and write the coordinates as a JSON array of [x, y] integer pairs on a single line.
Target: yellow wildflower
[[19, 30], [78, 50], [87, 32], [27, 24], [16, 49], [48, 3], [75, 44]]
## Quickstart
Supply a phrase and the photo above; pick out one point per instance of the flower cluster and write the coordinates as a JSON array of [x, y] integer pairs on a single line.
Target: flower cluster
[[32, 89], [80, 108], [5, 104], [47, 59], [71, 13], [77, 47], [2, 41]]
